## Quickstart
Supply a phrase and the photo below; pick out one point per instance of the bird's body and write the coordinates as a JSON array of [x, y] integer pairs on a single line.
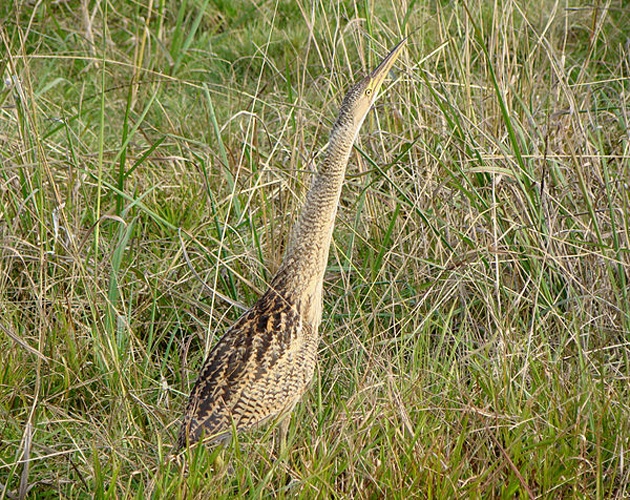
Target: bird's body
[[263, 364], [257, 371]]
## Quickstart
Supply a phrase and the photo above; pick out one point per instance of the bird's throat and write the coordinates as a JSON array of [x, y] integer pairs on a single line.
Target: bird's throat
[[304, 263]]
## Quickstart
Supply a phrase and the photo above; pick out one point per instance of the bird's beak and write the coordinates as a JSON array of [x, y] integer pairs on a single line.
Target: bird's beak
[[382, 70]]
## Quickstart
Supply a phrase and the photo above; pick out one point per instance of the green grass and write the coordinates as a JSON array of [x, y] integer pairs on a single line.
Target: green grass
[[476, 331]]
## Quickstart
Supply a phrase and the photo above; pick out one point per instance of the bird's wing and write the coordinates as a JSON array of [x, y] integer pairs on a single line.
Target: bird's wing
[[228, 390]]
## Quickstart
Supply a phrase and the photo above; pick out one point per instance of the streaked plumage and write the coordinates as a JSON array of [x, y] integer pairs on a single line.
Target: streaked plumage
[[258, 370], [263, 364]]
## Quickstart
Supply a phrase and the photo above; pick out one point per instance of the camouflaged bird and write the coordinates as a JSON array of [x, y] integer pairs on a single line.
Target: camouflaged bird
[[263, 364]]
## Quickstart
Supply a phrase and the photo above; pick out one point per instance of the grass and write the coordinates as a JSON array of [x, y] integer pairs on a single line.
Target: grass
[[476, 312]]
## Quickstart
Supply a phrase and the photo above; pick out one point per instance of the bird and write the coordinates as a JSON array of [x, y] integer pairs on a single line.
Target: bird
[[265, 361]]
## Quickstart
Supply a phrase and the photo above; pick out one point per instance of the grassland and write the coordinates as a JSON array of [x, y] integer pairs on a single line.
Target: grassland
[[476, 332]]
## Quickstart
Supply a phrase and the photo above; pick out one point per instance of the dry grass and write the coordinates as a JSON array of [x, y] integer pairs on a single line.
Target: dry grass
[[476, 308]]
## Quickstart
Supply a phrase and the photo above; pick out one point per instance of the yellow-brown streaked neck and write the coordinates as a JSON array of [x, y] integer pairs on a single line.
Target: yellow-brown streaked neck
[[302, 269], [304, 262]]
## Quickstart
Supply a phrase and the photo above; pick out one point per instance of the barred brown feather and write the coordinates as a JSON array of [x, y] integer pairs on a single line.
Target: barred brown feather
[[257, 371]]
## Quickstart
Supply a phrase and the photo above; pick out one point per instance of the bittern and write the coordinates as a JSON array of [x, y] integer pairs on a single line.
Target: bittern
[[263, 364]]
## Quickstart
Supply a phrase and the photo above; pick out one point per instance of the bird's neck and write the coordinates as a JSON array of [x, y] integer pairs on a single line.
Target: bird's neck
[[304, 263]]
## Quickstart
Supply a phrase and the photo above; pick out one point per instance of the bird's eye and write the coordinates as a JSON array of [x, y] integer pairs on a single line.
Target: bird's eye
[[368, 92]]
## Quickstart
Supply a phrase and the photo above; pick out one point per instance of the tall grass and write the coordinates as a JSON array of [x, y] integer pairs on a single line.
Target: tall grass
[[476, 312]]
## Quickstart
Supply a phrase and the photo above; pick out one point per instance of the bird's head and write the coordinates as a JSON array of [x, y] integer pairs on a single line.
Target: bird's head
[[359, 99]]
